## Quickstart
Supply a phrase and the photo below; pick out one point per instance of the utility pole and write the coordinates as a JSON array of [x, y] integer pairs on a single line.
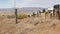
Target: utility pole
[[15, 9]]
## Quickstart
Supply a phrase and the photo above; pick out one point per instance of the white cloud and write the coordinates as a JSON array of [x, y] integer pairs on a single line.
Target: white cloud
[[29, 3], [37, 3]]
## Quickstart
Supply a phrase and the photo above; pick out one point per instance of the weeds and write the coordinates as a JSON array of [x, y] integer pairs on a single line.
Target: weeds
[[21, 16]]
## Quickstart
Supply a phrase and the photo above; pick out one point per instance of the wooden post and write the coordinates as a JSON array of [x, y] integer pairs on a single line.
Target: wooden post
[[15, 11], [59, 12], [16, 15]]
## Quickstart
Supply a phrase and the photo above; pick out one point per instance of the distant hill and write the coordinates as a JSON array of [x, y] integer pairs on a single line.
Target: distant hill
[[29, 9], [22, 10], [6, 9]]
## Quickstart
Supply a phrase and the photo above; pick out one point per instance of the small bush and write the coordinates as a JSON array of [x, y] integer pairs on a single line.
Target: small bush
[[21, 16]]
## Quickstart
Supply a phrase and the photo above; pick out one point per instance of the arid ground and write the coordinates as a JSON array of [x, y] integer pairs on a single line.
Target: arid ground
[[30, 25]]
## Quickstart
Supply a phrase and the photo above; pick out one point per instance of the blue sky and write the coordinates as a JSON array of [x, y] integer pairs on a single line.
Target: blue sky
[[28, 3]]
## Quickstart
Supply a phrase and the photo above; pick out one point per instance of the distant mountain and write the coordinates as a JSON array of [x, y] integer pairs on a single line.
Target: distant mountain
[[6, 9], [24, 9], [30, 9]]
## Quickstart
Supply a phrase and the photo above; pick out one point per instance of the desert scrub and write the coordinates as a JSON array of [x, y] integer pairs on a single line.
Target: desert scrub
[[10, 16], [21, 16]]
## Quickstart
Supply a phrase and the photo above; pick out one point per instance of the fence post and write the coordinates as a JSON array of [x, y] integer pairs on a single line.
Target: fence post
[[16, 15]]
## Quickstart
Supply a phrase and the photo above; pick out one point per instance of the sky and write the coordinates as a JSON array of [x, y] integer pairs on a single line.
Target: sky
[[28, 3]]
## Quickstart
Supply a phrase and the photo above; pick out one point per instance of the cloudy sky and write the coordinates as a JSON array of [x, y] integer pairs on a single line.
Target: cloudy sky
[[28, 3]]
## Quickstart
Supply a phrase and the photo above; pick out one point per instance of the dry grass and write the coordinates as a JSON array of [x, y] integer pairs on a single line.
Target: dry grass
[[32, 25]]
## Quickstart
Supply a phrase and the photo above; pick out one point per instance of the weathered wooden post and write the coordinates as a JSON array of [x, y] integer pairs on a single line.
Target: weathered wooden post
[[53, 13], [16, 15], [39, 13], [15, 11], [57, 11]]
